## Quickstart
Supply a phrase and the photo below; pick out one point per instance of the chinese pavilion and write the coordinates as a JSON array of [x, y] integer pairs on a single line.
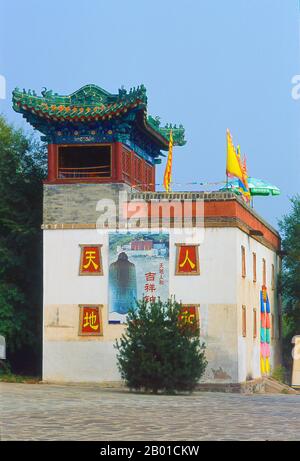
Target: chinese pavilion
[[102, 146], [96, 136]]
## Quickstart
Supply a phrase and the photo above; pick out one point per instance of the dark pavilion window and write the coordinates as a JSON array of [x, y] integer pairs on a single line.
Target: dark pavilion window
[[84, 162]]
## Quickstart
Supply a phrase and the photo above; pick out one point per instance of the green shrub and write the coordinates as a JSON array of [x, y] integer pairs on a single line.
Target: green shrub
[[5, 368], [22, 170], [279, 373], [157, 353]]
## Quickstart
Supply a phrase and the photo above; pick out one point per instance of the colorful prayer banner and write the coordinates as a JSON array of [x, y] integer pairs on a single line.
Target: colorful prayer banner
[[265, 330]]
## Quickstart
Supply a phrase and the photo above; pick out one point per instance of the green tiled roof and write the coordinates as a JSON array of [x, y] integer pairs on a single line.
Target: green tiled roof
[[91, 103]]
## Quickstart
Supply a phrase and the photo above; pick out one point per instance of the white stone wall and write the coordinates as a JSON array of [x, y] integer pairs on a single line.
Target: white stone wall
[[215, 290], [218, 289], [248, 294]]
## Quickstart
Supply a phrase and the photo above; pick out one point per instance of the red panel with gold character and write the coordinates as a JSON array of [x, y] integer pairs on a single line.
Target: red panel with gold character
[[90, 320], [189, 316], [187, 259], [90, 260]]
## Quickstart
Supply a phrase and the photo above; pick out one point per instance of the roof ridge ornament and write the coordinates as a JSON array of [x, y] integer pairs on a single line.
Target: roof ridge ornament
[[92, 104], [177, 132]]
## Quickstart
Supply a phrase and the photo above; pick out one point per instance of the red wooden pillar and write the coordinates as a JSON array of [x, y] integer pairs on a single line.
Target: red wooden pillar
[[152, 187], [118, 161], [144, 179], [132, 179], [52, 162]]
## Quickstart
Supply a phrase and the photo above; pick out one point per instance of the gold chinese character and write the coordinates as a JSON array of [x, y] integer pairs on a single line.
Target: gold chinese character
[[187, 259], [90, 256], [187, 317], [90, 321]]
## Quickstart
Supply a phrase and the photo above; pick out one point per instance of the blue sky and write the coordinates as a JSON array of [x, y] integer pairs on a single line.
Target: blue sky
[[206, 64]]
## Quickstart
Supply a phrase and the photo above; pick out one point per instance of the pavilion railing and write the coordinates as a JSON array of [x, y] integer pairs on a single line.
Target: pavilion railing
[[84, 172]]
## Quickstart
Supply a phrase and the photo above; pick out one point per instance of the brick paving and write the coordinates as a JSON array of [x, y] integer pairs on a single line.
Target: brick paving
[[87, 412]]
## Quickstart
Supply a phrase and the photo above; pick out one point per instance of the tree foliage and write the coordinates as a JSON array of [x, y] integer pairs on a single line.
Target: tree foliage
[[158, 353], [22, 169], [290, 230]]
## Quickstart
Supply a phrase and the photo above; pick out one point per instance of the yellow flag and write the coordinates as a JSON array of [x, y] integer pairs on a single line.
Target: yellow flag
[[246, 191], [168, 170], [233, 166]]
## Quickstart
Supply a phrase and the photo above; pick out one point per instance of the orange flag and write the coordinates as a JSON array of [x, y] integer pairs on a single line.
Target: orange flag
[[168, 170]]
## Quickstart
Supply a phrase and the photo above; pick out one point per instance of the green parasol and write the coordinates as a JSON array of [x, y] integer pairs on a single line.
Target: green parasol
[[256, 186]]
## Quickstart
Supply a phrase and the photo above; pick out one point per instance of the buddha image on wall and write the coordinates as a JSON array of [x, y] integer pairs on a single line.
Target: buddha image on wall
[[138, 269], [122, 287]]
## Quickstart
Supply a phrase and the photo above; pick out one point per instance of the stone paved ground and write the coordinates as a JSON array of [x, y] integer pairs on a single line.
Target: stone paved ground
[[57, 412]]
